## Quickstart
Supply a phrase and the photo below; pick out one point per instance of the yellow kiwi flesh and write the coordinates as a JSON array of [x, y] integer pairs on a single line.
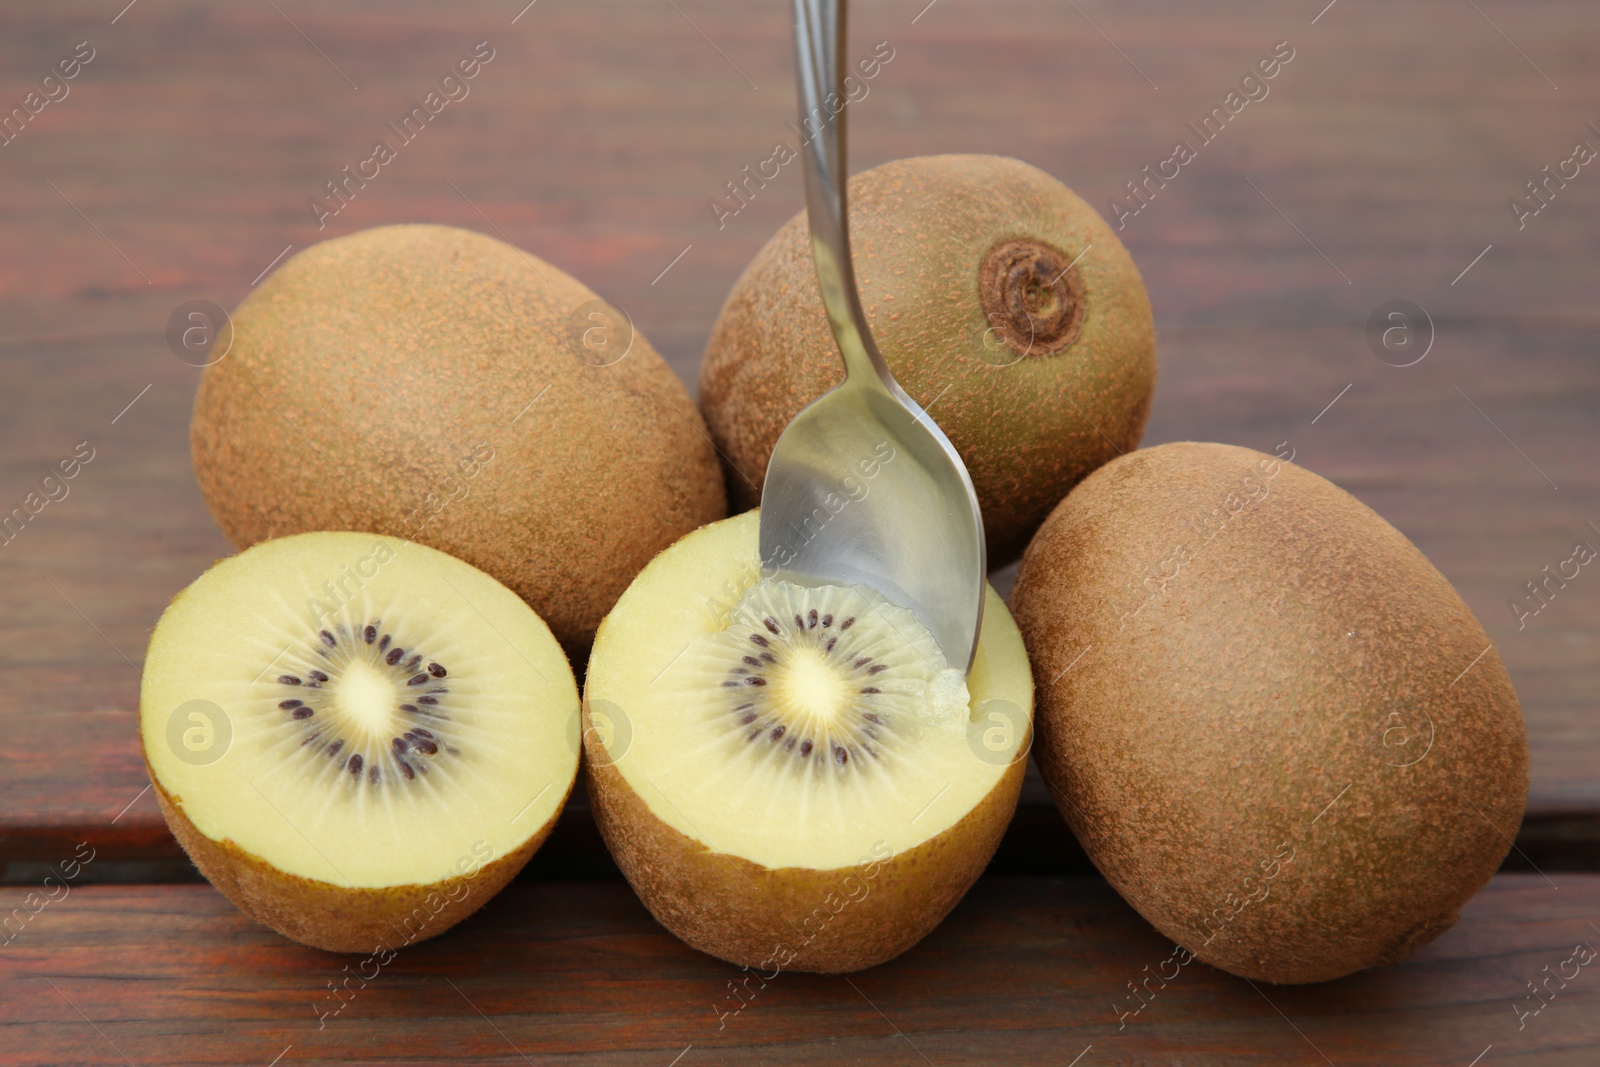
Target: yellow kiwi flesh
[[1004, 305], [358, 740], [790, 777], [1274, 726], [439, 385]]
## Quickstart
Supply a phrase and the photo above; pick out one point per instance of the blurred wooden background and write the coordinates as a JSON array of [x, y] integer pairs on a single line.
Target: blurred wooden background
[[179, 165]]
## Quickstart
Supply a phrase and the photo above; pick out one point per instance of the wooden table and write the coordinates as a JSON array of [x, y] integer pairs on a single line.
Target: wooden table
[[1379, 167]]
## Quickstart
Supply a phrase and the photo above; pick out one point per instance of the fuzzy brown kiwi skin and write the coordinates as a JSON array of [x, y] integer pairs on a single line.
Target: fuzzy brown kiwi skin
[[1199, 739], [368, 369], [923, 231], [333, 917], [755, 916]]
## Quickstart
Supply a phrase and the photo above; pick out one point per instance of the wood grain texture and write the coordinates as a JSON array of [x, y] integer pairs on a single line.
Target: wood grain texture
[[1026, 970], [182, 161]]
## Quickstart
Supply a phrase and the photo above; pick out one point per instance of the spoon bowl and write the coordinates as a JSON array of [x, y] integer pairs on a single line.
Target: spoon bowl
[[863, 488]]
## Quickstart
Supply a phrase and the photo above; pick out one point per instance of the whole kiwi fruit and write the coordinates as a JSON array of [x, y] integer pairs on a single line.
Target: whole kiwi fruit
[[441, 386], [1003, 304], [1275, 728]]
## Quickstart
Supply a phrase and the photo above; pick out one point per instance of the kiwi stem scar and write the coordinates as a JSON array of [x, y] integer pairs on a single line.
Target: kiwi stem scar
[[1074, 263]]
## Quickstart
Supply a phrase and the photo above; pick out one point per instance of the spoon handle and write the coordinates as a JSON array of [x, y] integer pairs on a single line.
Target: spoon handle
[[819, 33]]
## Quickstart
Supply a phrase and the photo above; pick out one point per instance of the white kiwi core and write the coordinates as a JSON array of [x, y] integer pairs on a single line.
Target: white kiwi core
[[797, 726]]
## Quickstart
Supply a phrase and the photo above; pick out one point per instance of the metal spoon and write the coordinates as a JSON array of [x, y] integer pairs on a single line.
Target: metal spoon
[[863, 487]]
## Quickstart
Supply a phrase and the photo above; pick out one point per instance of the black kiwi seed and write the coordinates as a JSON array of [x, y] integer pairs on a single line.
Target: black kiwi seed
[[827, 621], [288, 679], [319, 676], [851, 621], [408, 707], [417, 679], [799, 623], [747, 718], [333, 749], [303, 713], [370, 634], [427, 747], [758, 639], [840, 756], [354, 765], [287, 704], [372, 774], [805, 748], [405, 769], [771, 624], [877, 668], [394, 655], [383, 642], [871, 689], [411, 666], [436, 670], [427, 700], [400, 744], [328, 639], [812, 619], [862, 662], [752, 661], [777, 732]]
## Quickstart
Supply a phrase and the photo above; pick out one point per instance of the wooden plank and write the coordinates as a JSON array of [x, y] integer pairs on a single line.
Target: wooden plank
[[1026, 970], [596, 137]]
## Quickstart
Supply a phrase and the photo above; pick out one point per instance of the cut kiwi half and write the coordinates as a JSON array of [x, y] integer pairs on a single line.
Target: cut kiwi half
[[358, 740], [792, 776]]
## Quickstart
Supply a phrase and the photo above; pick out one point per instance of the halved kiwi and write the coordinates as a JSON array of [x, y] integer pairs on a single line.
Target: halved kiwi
[[792, 776], [357, 739]]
